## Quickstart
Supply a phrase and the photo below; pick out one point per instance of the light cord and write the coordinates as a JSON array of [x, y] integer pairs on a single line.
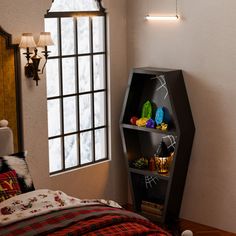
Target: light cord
[[176, 7]]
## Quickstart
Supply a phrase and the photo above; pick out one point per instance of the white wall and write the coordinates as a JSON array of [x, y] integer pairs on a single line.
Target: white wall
[[203, 45], [105, 180]]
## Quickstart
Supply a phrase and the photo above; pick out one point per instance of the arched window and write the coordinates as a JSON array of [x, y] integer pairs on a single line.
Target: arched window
[[77, 84]]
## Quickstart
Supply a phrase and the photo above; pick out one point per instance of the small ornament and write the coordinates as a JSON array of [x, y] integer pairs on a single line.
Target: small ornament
[[151, 164], [147, 110], [150, 123], [162, 127], [141, 163], [141, 122], [3, 123], [187, 233], [133, 120]]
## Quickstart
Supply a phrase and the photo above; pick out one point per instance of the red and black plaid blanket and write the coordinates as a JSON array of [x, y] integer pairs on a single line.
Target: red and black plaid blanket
[[88, 220]]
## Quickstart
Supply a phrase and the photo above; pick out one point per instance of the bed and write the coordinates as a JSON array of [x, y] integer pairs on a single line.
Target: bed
[[26, 211]]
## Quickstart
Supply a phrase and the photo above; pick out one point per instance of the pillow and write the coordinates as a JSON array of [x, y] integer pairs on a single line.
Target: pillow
[[9, 186], [18, 163]]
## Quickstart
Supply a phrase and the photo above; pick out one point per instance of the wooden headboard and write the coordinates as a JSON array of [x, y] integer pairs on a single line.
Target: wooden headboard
[[10, 90]]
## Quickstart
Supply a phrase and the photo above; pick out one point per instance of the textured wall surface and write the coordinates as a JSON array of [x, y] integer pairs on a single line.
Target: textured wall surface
[[106, 180], [202, 44]]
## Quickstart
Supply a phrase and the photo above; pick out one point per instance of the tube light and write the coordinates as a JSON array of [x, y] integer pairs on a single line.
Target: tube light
[[162, 18]]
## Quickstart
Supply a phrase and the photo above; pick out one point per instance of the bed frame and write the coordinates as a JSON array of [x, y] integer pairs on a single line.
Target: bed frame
[[10, 87]]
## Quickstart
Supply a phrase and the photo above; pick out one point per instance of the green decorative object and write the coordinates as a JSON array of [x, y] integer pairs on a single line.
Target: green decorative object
[[141, 163], [147, 110]]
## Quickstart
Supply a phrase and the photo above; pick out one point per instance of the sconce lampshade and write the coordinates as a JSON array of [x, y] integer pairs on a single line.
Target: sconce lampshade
[[27, 41], [45, 39]]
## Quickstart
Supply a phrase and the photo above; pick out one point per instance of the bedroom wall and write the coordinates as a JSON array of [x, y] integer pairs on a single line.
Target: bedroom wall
[[203, 45], [106, 180]]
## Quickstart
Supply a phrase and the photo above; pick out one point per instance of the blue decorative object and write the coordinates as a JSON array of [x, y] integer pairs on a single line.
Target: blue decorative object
[[150, 123], [159, 118], [162, 116]]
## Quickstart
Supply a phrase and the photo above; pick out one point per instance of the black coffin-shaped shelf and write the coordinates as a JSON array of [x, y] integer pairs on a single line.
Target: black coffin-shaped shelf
[[157, 195]]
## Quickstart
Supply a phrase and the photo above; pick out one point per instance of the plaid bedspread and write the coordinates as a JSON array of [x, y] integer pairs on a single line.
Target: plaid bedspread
[[88, 220]]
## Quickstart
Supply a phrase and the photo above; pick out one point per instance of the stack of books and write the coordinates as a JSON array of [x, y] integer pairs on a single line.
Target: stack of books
[[152, 209]]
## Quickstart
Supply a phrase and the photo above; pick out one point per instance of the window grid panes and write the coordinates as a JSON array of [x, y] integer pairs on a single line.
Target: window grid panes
[[77, 90]]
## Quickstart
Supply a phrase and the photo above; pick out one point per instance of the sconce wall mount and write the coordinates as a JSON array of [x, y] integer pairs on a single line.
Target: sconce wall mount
[[27, 42]]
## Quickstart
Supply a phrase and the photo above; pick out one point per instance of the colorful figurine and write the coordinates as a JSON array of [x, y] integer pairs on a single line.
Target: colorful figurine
[[133, 120], [147, 110], [163, 126], [159, 118], [141, 122], [150, 123], [162, 115]]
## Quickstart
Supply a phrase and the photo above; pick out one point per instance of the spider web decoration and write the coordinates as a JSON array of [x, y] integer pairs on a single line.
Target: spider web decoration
[[172, 141], [162, 81], [150, 180]]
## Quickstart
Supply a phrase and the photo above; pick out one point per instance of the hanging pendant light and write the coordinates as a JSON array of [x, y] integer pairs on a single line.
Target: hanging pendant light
[[164, 17], [161, 18]]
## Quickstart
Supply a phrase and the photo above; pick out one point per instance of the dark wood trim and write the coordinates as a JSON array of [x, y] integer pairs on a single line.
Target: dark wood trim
[[73, 14], [101, 8], [15, 47]]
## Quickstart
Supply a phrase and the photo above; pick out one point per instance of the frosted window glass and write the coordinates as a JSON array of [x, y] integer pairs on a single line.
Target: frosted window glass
[[67, 34], [55, 157], [76, 75], [84, 74], [83, 35], [86, 147], [51, 25], [68, 74], [52, 78], [99, 109], [70, 120], [100, 144], [98, 34], [74, 5], [54, 121], [99, 75], [85, 111], [71, 151]]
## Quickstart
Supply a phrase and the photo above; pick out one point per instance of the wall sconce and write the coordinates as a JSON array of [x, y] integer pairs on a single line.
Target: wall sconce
[[27, 42], [164, 17]]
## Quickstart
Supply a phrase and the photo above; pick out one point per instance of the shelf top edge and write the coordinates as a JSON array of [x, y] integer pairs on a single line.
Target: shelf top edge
[[154, 70], [145, 129]]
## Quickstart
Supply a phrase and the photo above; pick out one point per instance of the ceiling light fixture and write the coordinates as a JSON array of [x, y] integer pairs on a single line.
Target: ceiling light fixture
[[161, 18], [164, 17]]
